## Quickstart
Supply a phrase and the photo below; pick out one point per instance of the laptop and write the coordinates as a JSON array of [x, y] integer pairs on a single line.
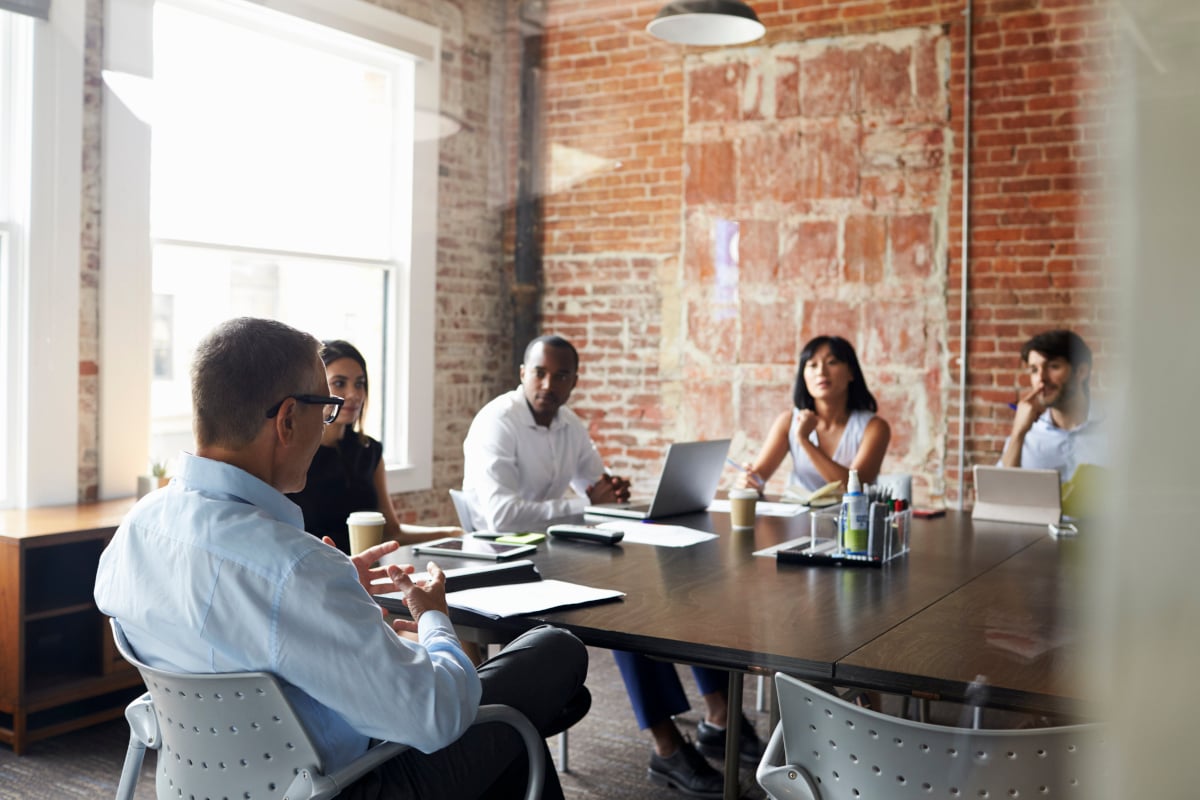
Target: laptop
[[688, 483], [1028, 496]]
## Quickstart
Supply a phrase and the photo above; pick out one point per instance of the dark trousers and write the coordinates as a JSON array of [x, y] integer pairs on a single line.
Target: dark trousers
[[539, 673], [654, 689]]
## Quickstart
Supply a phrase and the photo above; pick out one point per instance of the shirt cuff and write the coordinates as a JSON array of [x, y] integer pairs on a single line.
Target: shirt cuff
[[432, 624]]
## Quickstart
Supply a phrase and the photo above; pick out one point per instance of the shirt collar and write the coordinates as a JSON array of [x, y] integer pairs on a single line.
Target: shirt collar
[[1094, 417], [216, 478], [526, 412]]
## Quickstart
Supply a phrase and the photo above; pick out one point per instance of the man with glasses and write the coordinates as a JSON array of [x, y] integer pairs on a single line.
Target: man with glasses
[[525, 448], [215, 573]]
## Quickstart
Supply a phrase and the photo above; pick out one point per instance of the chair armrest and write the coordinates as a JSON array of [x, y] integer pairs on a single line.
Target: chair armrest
[[534, 744], [783, 781], [311, 786], [142, 721]]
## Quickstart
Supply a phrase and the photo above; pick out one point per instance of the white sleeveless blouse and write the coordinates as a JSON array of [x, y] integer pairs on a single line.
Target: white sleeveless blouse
[[804, 474]]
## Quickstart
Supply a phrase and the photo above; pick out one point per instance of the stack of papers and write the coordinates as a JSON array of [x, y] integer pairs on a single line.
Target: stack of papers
[[528, 598], [763, 508], [659, 535], [507, 590]]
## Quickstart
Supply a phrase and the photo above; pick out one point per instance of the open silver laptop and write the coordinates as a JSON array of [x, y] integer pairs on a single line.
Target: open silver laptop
[[1030, 496], [688, 483]]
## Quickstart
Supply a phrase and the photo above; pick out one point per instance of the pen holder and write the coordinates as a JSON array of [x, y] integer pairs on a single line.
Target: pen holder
[[888, 534]]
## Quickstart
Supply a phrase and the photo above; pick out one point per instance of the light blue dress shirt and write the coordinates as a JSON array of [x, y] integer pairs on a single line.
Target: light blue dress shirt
[[214, 573], [1048, 446]]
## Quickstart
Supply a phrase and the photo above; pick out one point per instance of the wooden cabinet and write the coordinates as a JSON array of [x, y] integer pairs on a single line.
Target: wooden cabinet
[[59, 670]]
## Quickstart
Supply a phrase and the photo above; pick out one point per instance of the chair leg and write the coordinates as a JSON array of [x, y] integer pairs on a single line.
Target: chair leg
[[761, 704], [563, 763], [132, 769]]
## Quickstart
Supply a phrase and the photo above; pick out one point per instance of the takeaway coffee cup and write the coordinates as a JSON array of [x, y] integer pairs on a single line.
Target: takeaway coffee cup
[[366, 530], [741, 507]]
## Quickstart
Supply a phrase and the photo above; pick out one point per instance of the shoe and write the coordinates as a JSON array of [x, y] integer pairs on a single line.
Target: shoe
[[687, 771], [711, 741]]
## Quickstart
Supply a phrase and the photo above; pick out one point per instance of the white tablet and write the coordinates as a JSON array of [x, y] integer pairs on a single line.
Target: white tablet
[[468, 547]]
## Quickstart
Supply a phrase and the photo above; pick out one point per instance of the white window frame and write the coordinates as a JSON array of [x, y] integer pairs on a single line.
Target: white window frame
[[125, 353], [41, 289]]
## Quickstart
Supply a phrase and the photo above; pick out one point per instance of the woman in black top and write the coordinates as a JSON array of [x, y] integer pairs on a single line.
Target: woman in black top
[[347, 472]]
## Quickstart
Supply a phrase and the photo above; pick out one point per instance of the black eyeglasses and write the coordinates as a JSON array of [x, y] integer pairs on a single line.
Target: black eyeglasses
[[332, 404]]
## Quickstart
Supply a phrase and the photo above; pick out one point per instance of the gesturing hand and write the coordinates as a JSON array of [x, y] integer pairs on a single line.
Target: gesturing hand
[[807, 423], [428, 595]]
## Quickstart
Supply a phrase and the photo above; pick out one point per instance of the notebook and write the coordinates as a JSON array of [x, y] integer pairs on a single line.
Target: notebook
[[688, 483], [1029, 496]]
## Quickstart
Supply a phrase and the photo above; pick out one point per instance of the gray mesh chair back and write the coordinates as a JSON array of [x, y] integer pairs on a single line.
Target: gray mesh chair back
[[462, 507], [826, 748], [235, 735]]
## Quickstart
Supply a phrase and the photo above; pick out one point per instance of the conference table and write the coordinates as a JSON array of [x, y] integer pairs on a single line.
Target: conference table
[[977, 612]]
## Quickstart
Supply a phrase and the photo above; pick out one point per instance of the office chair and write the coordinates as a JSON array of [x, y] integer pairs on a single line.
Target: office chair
[[462, 507], [825, 748], [466, 521], [236, 735]]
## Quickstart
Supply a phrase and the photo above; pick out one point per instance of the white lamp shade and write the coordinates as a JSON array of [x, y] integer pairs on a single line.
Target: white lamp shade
[[706, 22]]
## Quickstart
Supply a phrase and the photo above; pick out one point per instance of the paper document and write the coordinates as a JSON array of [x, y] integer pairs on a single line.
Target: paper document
[[660, 535], [528, 598], [764, 508]]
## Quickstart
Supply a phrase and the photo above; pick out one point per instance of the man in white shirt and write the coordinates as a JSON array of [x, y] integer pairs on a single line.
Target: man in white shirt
[[525, 448], [522, 452], [1056, 426], [214, 573]]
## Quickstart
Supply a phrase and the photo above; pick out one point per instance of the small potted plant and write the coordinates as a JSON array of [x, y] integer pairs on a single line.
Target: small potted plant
[[156, 479]]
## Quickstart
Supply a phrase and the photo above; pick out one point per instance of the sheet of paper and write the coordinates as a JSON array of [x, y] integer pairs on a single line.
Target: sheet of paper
[[765, 508], [659, 535], [528, 598]]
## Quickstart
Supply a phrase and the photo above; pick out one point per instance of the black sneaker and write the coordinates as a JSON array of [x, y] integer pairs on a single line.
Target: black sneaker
[[711, 741], [687, 771]]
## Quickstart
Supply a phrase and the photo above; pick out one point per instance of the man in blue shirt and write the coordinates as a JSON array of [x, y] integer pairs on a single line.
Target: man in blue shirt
[[214, 573], [1056, 425]]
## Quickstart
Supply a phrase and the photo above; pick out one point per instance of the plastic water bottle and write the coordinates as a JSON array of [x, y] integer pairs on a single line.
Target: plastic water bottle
[[853, 520]]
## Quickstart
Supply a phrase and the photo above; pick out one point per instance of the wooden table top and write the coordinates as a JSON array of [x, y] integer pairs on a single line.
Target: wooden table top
[[1014, 631], [718, 605], [24, 523]]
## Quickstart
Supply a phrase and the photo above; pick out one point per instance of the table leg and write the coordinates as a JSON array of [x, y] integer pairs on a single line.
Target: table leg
[[733, 736]]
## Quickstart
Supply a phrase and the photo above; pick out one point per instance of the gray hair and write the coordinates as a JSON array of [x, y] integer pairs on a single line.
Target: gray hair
[[241, 369]]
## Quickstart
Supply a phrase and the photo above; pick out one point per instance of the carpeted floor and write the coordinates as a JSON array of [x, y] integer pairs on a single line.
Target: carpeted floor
[[607, 758]]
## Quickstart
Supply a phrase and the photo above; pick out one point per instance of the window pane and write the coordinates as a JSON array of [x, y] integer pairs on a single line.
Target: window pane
[[195, 288], [277, 143]]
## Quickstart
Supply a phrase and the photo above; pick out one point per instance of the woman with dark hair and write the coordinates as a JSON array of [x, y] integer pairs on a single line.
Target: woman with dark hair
[[832, 428], [347, 473]]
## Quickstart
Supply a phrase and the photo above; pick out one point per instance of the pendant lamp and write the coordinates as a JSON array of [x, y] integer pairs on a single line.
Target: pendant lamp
[[706, 22]]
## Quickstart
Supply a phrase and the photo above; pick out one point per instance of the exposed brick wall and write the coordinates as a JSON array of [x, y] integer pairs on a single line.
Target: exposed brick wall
[[832, 147]]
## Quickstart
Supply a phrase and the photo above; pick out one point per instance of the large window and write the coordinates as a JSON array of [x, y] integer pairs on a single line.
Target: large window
[[41, 102], [281, 184]]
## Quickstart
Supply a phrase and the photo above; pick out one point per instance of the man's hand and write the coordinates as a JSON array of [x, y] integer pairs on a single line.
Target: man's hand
[[609, 489], [367, 575], [429, 595], [1029, 409]]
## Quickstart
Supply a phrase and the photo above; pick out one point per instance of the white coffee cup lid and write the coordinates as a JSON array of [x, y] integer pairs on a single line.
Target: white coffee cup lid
[[742, 494], [365, 518]]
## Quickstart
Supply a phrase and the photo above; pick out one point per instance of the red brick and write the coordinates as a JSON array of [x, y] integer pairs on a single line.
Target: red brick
[[912, 246], [809, 252], [829, 83], [710, 173], [714, 92], [762, 322], [864, 249], [884, 83]]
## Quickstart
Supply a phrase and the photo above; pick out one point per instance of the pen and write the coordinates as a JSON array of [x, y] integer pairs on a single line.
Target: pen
[[757, 480], [1013, 406]]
